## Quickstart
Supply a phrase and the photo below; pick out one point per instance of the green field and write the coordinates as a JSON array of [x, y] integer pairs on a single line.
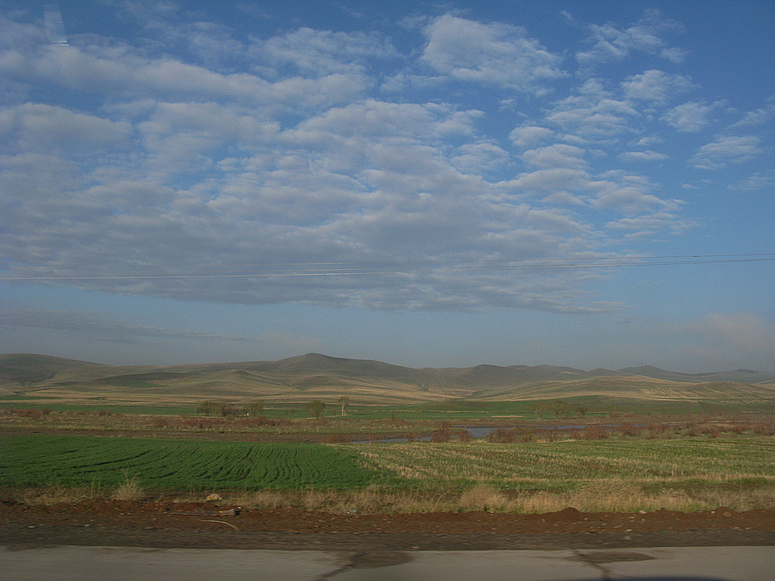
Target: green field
[[157, 464]]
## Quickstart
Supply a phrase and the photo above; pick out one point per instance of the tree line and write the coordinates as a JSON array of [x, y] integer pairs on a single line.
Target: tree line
[[315, 408]]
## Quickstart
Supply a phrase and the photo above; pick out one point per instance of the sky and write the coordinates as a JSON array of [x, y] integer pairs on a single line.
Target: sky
[[430, 184]]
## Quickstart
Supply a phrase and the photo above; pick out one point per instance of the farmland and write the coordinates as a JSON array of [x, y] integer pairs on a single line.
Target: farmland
[[638, 439], [685, 473], [174, 465], [574, 463]]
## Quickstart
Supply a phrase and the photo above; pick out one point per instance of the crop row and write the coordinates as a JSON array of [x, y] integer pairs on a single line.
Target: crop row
[[208, 465], [544, 464], [176, 465]]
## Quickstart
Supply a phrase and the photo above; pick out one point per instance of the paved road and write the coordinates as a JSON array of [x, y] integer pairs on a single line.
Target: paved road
[[71, 563]]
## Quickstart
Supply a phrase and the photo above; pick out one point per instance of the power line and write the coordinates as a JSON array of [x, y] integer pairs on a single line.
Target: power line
[[332, 269]]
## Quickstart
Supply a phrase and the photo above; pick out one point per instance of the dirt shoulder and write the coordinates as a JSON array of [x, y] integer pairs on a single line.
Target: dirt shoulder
[[203, 525]]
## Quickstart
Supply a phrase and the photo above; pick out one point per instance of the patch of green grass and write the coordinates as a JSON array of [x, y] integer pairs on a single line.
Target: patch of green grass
[[176, 465]]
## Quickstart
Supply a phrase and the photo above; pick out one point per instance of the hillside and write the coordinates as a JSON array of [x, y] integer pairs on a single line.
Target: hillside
[[29, 378]]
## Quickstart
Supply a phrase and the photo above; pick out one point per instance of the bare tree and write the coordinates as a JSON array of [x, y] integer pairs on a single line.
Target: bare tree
[[344, 402]]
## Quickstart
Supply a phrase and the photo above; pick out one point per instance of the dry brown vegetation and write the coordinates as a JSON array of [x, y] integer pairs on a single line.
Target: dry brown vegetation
[[616, 496]]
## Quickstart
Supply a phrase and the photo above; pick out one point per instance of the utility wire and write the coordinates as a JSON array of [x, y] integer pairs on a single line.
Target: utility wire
[[328, 269]]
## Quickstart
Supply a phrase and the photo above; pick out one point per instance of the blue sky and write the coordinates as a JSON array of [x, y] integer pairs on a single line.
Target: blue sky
[[429, 184]]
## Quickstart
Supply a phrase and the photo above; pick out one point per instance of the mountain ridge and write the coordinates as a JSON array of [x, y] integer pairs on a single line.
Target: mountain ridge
[[368, 367], [316, 375]]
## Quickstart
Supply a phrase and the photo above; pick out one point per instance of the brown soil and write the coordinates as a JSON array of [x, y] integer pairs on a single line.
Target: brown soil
[[204, 525]]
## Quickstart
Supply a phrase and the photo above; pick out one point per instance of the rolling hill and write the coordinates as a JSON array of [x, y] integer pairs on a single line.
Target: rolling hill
[[30, 378]]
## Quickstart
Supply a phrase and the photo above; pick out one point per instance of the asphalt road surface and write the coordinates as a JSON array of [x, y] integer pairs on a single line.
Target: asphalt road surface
[[71, 563]]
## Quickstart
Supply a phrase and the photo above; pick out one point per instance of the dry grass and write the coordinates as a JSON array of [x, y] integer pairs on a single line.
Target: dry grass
[[610, 496], [50, 495], [129, 490], [483, 497]]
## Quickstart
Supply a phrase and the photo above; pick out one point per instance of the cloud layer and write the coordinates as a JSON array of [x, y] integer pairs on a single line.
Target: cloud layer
[[332, 168]]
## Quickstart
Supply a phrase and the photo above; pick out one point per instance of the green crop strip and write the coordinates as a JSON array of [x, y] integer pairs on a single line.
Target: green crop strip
[[176, 465]]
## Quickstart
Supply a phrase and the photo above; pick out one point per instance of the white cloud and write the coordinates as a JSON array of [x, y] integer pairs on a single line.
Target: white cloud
[[479, 158], [648, 225], [592, 114], [530, 136], [495, 53], [299, 171], [319, 53], [656, 86], [758, 117], [691, 116], [552, 181], [648, 141], [614, 191], [674, 54], [120, 70], [725, 150], [625, 193], [647, 155], [610, 42], [557, 155], [757, 182], [37, 127]]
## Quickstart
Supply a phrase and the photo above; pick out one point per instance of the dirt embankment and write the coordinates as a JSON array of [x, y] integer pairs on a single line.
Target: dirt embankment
[[204, 525]]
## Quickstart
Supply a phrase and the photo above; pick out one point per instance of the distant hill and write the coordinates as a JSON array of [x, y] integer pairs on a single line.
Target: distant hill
[[44, 379], [740, 375], [29, 369]]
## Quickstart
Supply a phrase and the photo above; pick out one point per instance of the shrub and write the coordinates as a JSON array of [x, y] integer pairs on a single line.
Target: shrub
[[440, 436], [32, 414], [764, 428], [412, 436], [208, 408], [501, 436], [594, 433], [160, 422], [254, 409], [316, 408]]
